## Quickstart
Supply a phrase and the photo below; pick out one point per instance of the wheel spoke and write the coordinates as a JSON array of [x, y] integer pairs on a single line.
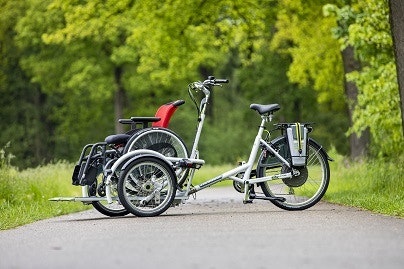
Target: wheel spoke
[[147, 187], [301, 191]]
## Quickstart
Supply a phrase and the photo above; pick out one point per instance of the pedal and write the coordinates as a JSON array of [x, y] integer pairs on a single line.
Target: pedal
[[280, 199]]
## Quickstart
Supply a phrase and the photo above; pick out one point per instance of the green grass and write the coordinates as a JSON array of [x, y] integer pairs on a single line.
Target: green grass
[[377, 186], [208, 172], [24, 194]]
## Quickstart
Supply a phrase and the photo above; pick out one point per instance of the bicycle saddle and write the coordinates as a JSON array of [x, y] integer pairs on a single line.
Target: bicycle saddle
[[262, 109]]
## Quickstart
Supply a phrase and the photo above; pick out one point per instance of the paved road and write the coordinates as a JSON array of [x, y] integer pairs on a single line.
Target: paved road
[[214, 231]]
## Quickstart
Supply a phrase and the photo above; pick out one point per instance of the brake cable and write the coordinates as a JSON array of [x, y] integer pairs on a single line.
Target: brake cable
[[198, 110]]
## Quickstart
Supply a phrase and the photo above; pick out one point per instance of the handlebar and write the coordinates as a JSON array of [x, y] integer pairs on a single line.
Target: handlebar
[[212, 81], [217, 80], [207, 85], [204, 87]]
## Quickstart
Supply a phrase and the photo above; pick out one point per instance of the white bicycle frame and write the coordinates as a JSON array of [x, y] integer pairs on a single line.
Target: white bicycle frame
[[245, 168]]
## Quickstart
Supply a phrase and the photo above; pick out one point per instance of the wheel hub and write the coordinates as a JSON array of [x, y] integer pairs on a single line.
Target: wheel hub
[[148, 186], [297, 179]]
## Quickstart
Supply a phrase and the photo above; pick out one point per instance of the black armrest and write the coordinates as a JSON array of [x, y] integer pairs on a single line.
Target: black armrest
[[145, 119], [125, 121], [135, 121]]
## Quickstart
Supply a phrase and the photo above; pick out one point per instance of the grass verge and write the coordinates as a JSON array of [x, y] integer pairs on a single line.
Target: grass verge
[[377, 186], [374, 185], [24, 194]]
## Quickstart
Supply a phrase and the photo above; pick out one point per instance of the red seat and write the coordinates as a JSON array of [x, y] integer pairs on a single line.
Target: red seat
[[165, 112]]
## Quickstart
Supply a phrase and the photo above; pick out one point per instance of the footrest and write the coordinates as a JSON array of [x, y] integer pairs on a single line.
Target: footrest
[[80, 199], [277, 198]]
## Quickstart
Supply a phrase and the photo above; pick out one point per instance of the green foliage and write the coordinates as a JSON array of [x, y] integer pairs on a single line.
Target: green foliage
[[378, 100], [304, 34], [81, 53], [63, 61], [378, 108], [315, 68], [24, 109]]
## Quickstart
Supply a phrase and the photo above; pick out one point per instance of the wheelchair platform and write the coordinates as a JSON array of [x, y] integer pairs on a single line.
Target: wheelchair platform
[[88, 200], [78, 199]]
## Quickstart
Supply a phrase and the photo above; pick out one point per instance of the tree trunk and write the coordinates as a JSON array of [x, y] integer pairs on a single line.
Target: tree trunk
[[119, 99], [358, 144], [397, 30]]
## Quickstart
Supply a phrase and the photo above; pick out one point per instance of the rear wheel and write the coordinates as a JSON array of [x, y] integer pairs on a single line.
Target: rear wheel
[[303, 190], [147, 187], [163, 141]]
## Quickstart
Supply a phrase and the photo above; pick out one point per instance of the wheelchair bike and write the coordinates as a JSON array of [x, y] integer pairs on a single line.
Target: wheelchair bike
[[96, 159]]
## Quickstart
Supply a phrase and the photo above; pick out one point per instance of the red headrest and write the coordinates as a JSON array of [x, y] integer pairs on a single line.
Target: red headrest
[[165, 112]]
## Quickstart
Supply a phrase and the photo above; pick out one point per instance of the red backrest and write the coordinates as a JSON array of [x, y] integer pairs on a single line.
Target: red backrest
[[165, 112]]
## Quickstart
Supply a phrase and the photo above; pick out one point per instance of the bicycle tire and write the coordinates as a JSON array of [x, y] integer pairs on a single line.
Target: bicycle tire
[[161, 140], [112, 210], [147, 186], [303, 191]]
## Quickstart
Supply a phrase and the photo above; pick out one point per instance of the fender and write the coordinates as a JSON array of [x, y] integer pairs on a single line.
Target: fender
[[131, 154], [322, 149], [151, 129], [127, 163]]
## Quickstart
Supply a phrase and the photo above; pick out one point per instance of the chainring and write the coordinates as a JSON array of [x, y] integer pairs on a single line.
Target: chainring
[[239, 187]]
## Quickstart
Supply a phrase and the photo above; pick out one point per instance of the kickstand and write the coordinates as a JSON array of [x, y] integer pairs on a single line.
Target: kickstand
[[251, 194]]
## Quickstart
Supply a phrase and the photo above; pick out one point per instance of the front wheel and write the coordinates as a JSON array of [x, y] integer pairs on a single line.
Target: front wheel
[[98, 189], [301, 191], [147, 187]]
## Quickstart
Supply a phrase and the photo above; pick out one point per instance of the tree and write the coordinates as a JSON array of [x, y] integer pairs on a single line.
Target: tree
[[94, 57], [94, 33], [359, 143], [24, 121], [378, 101], [303, 33], [361, 26], [396, 12]]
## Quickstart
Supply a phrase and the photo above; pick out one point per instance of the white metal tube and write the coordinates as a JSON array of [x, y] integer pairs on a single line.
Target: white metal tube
[[252, 158], [84, 191], [198, 135]]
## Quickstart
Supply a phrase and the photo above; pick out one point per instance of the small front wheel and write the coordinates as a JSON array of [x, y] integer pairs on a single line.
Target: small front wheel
[[147, 186], [97, 189], [112, 210], [303, 190]]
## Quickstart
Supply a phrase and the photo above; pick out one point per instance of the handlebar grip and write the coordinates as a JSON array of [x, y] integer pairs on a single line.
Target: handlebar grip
[[219, 80]]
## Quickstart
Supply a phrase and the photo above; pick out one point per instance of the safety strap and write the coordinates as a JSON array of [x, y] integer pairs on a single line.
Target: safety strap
[[299, 137]]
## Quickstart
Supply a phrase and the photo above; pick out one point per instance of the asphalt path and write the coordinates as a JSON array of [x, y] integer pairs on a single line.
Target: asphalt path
[[216, 230]]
